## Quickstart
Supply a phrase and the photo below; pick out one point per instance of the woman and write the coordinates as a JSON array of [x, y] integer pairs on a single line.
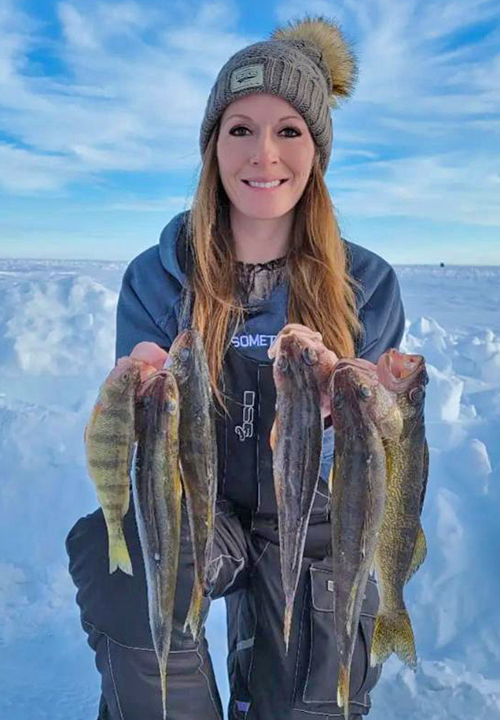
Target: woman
[[258, 256]]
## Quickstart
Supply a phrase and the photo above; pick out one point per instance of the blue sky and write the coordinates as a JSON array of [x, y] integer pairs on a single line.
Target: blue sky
[[101, 103]]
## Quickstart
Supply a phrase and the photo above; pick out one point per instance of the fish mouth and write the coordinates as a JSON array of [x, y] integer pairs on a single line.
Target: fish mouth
[[350, 370], [398, 371], [150, 380]]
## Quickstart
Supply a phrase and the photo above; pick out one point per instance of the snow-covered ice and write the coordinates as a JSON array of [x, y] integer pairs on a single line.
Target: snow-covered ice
[[57, 345]]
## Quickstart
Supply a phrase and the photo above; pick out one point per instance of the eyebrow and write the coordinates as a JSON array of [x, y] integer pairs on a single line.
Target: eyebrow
[[287, 117]]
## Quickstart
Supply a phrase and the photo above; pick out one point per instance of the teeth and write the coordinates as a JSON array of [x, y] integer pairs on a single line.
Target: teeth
[[275, 183]]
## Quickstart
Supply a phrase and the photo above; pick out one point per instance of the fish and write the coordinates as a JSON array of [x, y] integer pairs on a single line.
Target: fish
[[296, 441], [363, 412], [157, 493], [109, 441], [198, 457], [402, 546]]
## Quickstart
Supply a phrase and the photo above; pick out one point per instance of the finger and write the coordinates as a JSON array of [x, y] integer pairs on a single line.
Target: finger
[[150, 353]]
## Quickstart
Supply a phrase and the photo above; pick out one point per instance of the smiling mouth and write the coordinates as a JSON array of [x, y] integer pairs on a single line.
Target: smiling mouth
[[257, 187]]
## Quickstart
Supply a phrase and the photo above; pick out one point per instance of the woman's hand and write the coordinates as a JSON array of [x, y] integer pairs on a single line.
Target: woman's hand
[[308, 338], [151, 354]]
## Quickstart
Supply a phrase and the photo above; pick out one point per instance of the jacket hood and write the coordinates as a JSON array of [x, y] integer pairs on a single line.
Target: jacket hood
[[173, 247]]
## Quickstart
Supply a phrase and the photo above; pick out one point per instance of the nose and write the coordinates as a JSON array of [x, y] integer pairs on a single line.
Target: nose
[[265, 150]]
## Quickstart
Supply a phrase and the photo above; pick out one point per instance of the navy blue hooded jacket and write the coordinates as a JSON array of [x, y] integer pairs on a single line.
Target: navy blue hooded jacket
[[149, 305], [150, 300]]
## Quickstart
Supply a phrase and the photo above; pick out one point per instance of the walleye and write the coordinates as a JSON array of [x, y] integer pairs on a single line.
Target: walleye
[[157, 491], [402, 546], [296, 441], [198, 456], [362, 412], [109, 440]]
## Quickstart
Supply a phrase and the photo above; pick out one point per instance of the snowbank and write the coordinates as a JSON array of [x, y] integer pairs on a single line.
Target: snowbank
[[56, 346]]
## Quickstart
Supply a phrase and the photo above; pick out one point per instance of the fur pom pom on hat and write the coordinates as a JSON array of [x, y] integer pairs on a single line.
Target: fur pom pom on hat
[[308, 63]]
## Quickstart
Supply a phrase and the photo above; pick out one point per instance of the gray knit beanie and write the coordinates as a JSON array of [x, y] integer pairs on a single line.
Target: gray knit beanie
[[308, 64]]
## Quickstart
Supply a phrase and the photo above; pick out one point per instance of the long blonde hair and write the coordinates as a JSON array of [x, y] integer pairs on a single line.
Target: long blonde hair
[[321, 294]]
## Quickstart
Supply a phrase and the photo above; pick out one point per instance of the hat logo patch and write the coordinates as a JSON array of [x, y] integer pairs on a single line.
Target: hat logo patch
[[247, 77]]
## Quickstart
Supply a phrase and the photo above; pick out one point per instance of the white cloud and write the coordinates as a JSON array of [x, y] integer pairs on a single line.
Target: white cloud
[[447, 187], [419, 137], [132, 95]]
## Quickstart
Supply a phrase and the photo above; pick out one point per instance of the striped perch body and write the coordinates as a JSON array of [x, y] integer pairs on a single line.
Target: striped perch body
[[109, 442]]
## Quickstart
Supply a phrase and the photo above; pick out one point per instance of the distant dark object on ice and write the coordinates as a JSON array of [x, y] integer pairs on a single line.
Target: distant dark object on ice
[[441, 264]]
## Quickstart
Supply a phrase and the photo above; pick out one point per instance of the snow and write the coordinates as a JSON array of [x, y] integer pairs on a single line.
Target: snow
[[56, 346]]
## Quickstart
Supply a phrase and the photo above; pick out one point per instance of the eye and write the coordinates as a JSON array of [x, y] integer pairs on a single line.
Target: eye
[[338, 400], [283, 363], [364, 391], [296, 132], [416, 395], [184, 354], [309, 356], [234, 132], [171, 406]]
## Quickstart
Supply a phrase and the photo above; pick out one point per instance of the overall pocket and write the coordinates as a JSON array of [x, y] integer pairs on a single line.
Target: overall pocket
[[319, 683]]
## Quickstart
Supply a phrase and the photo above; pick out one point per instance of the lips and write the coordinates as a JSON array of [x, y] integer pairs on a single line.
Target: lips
[[247, 182]]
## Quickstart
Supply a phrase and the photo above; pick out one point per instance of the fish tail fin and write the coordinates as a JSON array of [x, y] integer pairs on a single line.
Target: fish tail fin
[[194, 613], [287, 624], [118, 554], [419, 554], [393, 633], [343, 689]]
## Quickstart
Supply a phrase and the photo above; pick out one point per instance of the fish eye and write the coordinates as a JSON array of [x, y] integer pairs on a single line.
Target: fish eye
[[171, 406], [283, 363], [416, 395], [309, 356], [184, 354], [338, 400], [364, 391]]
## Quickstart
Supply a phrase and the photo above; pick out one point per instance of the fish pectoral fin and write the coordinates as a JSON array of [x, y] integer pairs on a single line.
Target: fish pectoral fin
[[350, 607], [331, 477], [273, 436], [343, 689], [393, 632], [419, 554]]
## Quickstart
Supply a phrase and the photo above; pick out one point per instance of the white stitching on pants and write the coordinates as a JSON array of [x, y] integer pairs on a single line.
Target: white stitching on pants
[[131, 647], [113, 679], [200, 670]]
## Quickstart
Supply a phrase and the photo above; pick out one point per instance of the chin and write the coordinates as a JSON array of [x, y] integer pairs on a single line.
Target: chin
[[263, 213]]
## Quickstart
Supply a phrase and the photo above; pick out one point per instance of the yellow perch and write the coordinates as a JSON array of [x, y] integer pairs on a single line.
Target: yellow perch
[[109, 440]]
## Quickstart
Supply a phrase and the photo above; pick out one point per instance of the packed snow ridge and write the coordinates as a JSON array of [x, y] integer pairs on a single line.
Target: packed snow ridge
[[56, 347]]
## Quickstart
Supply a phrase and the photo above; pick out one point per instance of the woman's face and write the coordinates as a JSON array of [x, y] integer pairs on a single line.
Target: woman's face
[[263, 138]]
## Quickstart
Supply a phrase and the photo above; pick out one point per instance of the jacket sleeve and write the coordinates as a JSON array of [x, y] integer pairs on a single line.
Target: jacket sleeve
[[136, 321], [382, 316]]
